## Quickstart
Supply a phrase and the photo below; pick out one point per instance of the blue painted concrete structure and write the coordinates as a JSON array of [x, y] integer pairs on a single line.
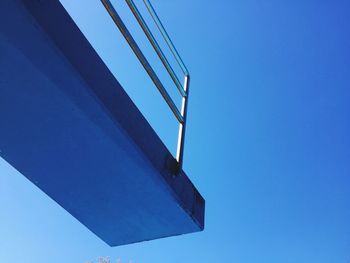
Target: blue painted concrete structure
[[70, 128]]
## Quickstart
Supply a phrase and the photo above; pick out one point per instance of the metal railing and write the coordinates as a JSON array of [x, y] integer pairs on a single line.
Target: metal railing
[[181, 116]]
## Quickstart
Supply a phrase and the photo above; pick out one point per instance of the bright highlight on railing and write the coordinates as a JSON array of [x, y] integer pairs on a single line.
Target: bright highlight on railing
[[183, 89]]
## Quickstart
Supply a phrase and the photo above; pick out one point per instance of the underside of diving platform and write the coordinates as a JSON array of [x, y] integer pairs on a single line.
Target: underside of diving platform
[[70, 128]]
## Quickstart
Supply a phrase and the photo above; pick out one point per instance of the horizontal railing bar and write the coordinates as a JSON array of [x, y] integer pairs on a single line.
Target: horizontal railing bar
[[155, 45], [166, 36], [119, 23]]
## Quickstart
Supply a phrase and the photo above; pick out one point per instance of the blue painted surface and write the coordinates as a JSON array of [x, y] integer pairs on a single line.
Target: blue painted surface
[[70, 128]]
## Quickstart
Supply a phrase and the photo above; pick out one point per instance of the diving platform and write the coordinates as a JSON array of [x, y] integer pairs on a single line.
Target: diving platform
[[67, 125]]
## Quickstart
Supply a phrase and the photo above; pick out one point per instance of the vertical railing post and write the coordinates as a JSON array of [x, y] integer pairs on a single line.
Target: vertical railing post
[[182, 126]]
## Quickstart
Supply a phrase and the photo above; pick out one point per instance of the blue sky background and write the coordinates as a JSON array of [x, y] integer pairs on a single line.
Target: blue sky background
[[268, 141]]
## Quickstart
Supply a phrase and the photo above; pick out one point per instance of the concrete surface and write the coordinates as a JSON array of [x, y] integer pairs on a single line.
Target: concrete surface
[[70, 128]]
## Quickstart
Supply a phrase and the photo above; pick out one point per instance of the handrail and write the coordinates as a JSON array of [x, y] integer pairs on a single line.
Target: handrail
[[155, 45], [184, 90], [132, 43], [166, 36]]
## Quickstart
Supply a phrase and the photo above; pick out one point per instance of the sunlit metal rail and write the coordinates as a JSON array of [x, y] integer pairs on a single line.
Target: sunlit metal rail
[[183, 89]]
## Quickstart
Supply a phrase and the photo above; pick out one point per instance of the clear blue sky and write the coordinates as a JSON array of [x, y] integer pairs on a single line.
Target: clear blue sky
[[268, 141]]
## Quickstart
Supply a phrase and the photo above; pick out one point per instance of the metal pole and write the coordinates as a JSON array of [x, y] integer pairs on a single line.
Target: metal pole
[[155, 45], [135, 48], [165, 36], [182, 126]]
